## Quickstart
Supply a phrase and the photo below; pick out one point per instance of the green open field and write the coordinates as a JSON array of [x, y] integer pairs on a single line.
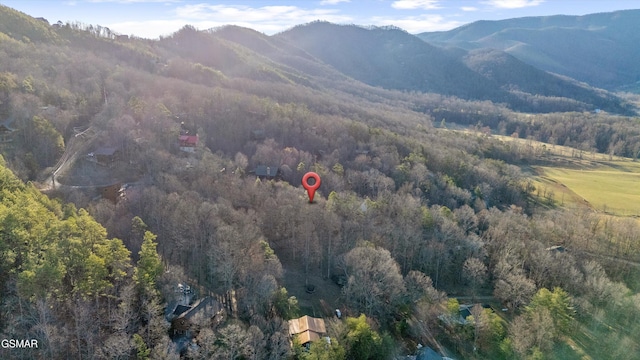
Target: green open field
[[614, 190], [578, 179]]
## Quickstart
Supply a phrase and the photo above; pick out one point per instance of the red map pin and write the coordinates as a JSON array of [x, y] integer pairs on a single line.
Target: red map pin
[[311, 189]]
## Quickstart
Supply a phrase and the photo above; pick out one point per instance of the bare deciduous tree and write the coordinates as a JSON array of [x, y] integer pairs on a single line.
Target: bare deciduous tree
[[375, 285], [474, 271]]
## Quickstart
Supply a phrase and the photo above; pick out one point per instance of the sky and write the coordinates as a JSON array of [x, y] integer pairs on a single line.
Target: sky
[[154, 18]]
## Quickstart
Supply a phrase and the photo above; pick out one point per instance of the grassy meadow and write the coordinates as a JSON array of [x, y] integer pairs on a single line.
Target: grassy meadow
[[572, 178], [612, 190]]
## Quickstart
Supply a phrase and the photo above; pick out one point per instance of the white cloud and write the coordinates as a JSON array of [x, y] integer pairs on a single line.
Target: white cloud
[[133, 1], [469, 8], [415, 4], [332, 2], [513, 4], [283, 14], [418, 24], [150, 29], [266, 19]]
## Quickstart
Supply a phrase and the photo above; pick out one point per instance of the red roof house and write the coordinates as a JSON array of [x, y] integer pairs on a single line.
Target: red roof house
[[188, 143]]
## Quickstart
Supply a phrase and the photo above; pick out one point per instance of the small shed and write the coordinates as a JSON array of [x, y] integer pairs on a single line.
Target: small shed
[[307, 329], [267, 172], [6, 133], [106, 155], [208, 308], [258, 135]]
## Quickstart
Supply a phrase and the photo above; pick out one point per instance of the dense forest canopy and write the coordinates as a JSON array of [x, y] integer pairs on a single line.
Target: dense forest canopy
[[179, 161]]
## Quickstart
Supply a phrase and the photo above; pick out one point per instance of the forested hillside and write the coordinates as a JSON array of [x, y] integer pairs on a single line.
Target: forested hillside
[[178, 162], [393, 59], [598, 49]]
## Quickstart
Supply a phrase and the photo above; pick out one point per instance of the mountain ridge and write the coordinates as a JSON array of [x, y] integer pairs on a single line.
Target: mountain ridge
[[386, 57], [395, 59], [596, 48]]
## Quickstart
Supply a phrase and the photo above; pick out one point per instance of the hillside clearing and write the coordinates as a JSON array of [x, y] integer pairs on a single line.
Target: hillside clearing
[[611, 191], [569, 177]]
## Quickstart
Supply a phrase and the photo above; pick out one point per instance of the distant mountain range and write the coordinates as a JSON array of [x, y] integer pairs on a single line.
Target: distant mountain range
[[392, 58], [528, 64], [600, 49]]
